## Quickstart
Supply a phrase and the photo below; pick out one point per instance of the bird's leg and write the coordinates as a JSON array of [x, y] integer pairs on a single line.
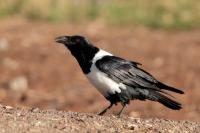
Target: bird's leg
[[120, 112], [104, 111]]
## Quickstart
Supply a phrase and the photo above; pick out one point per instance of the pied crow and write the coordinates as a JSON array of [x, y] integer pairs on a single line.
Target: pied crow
[[117, 79]]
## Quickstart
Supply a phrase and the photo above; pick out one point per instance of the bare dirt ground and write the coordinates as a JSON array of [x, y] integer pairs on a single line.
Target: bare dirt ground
[[37, 72], [15, 120]]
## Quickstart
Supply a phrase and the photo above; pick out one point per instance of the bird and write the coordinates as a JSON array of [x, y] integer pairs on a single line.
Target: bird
[[118, 80]]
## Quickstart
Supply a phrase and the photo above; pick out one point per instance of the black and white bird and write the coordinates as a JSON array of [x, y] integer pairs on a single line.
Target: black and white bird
[[117, 79]]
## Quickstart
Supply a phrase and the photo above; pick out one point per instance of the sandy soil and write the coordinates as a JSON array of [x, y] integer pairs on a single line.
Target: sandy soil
[[15, 120], [37, 72]]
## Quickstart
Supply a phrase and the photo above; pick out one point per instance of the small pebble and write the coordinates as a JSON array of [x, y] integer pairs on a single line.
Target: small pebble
[[8, 107], [4, 44], [19, 84]]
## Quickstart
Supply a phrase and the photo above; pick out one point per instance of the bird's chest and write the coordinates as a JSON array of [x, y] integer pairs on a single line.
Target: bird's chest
[[103, 83]]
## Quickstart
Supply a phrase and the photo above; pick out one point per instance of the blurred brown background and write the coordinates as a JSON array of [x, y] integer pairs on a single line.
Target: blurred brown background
[[36, 72]]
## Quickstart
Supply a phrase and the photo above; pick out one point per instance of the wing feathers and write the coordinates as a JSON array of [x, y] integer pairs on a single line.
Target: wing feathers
[[163, 86], [122, 71]]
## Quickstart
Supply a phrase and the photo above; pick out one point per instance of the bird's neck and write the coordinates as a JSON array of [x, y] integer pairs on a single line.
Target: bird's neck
[[84, 56]]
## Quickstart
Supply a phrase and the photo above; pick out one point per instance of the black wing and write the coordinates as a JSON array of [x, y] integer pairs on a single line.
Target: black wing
[[128, 73]]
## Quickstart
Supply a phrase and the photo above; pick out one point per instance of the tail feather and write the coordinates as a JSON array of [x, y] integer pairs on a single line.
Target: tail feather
[[166, 87], [166, 101]]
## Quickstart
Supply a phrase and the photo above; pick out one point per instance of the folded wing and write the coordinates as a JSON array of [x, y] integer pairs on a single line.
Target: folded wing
[[128, 73]]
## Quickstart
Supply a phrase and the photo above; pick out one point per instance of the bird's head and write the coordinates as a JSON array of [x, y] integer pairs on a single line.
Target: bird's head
[[80, 48], [72, 41]]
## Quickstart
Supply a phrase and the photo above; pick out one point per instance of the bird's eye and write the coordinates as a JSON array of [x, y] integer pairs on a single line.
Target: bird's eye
[[73, 40], [77, 40]]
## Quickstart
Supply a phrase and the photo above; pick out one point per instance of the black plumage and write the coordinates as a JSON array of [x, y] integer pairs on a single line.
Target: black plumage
[[119, 80], [140, 84]]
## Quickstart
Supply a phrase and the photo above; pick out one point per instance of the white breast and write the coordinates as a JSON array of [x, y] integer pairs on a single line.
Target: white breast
[[100, 80], [104, 84]]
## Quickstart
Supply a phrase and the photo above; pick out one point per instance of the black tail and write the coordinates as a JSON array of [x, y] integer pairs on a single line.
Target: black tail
[[166, 101], [166, 87]]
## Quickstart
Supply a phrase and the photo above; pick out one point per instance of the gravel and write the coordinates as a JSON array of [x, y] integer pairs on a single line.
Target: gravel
[[35, 120]]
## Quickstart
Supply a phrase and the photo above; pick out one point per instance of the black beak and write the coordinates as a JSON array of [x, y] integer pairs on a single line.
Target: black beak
[[62, 39]]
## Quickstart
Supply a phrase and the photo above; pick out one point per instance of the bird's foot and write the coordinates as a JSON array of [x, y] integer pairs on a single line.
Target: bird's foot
[[102, 112]]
